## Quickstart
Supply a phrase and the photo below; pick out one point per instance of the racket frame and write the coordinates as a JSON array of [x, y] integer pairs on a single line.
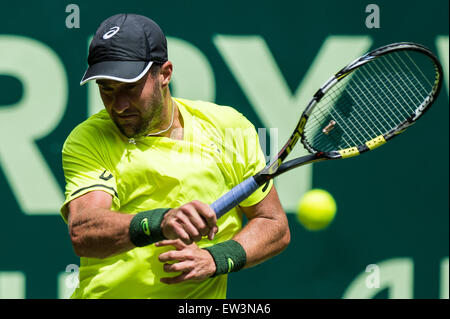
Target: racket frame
[[344, 72], [277, 166]]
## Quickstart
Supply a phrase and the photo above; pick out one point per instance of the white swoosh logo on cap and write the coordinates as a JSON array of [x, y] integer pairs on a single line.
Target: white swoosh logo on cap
[[112, 31]]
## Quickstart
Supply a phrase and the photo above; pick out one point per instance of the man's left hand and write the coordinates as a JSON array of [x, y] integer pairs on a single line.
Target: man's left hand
[[193, 262]]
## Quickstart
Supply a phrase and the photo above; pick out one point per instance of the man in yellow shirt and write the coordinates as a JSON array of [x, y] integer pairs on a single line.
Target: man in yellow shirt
[[140, 176]]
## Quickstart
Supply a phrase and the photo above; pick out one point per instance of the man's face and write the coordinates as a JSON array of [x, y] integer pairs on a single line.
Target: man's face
[[134, 107]]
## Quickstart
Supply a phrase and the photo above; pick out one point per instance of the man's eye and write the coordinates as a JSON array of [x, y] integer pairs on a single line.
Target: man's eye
[[106, 89], [131, 86]]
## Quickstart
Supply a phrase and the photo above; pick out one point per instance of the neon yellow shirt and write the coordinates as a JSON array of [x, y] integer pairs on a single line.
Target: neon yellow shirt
[[220, 148]]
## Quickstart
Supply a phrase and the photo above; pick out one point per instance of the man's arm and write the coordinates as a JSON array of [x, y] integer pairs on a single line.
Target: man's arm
[[265, 235], [98, 232], [94, 229], [267, 231]]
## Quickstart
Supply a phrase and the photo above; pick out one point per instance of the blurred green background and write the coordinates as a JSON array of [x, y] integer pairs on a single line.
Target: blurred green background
[[265, 58]]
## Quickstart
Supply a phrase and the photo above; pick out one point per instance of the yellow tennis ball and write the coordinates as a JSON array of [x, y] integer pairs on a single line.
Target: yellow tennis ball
[[316, 209]]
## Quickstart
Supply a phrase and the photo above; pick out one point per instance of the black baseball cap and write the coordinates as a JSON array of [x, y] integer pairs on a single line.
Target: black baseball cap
[[124, 48]]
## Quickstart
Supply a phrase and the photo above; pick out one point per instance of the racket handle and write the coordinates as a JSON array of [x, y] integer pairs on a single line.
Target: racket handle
[[236, 195]]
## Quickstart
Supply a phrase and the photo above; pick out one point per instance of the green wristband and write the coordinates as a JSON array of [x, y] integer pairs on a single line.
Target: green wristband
[[229, 256], [145, 227]]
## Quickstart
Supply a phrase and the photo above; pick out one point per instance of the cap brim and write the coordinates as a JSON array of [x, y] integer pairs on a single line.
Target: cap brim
[[123, 71]]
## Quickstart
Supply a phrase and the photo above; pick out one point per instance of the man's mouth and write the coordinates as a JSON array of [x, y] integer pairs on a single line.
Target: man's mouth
[[127, 116]]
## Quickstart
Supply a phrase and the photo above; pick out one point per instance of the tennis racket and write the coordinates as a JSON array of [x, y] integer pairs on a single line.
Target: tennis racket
[[361, 107]]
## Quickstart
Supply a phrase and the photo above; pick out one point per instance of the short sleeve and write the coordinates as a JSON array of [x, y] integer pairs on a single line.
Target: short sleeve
[[254, 162], [85, 168]]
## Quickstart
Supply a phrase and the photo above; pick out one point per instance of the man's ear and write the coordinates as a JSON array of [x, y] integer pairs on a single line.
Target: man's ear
[[166, 73]]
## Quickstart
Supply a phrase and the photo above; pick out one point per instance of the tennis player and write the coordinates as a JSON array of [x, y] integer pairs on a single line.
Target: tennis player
[[141, 173]]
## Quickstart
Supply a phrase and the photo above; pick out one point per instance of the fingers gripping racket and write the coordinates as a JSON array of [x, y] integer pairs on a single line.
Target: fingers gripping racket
[[361, 107]]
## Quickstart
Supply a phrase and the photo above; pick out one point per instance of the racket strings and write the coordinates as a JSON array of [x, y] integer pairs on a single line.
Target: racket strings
[[371, 101], [406, 84], [350, 127], [390, 97], [325, 113], [379, 98], [417, 68]]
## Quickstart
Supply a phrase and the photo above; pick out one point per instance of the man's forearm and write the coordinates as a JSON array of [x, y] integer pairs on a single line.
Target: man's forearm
[[263, 238], [100, 233], [267, 231]]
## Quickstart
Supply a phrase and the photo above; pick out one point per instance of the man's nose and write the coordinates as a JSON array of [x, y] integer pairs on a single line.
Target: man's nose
[[121, 103]]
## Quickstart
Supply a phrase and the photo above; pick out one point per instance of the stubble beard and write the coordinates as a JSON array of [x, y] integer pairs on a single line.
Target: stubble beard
[[144, 123]]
